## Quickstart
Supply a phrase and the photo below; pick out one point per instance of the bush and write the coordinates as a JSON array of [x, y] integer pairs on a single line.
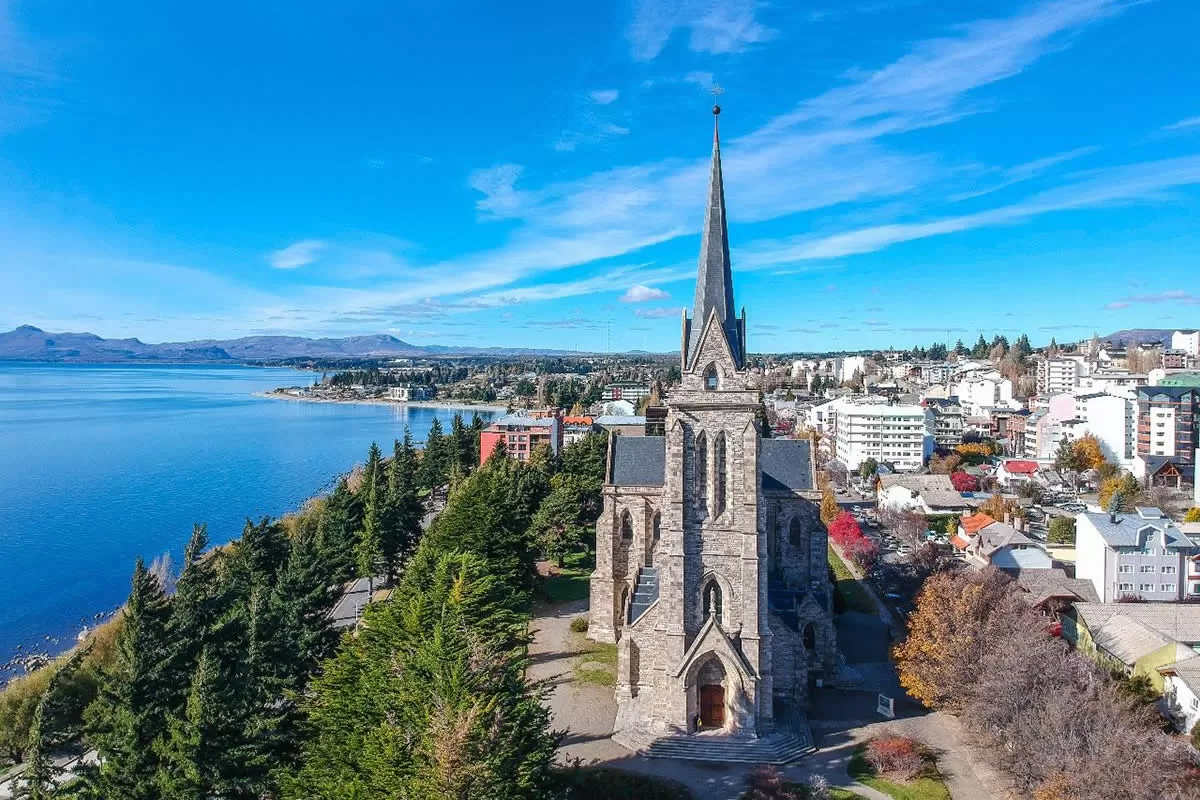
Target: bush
[[579, 624], [1192, 515], [1062, 530], [895, 757], [1196, 735]]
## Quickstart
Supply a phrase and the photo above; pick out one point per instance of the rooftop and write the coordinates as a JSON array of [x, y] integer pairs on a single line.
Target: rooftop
[[1131, 630], [1128, 529]]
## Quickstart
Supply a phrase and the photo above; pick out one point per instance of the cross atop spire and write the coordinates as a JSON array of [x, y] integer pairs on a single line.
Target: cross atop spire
[[714, 280]]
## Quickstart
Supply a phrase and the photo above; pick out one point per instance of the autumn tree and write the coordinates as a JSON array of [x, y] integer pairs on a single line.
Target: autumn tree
[[964, 482], [1192, 515], [944, 464], [829, 506], [1125, 486]]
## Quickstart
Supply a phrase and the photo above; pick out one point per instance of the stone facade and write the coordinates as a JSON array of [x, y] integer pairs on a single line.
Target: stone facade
[[711, 571]]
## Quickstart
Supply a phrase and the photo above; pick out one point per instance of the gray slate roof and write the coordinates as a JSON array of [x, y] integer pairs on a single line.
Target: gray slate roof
[[918, 483], [1188, 671], [639, 460], [1130, 626], [1124, 532], [1043, 584], [786, 464]]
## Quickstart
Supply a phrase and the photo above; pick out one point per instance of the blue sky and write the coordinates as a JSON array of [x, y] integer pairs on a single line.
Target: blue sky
[[517, 174]]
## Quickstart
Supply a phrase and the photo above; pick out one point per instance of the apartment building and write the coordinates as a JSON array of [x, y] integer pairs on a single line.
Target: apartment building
[[900, 435], [1143, 555], [1060, 374], [1187, 341], [1113, 421], [521, 434], [627, 390], [1168, 418], [947, 421], [976, 394], [409, 392]]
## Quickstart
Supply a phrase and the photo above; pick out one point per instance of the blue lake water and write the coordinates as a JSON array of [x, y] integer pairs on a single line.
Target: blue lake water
[[100, 464]]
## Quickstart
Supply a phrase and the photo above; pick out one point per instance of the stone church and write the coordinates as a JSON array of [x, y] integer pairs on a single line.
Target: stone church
[[711, 569]]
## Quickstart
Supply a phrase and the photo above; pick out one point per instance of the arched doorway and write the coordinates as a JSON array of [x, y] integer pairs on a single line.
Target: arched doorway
[[710, 690]]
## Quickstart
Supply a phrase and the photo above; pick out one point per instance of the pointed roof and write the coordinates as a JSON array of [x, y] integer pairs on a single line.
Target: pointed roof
[[714, 281]]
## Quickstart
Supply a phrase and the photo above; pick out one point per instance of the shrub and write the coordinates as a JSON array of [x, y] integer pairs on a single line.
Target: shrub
[[1192, 515], [766, 783], [895, 757], [1062, 530], [1196, 735], [964, 482], [579, 624]]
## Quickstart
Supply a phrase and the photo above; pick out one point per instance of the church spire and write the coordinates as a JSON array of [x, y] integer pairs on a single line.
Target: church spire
[[714, 281]]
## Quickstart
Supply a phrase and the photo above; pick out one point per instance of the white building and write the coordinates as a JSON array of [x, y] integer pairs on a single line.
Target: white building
[[1119, 382], [978, 393], [1188, 341], [1113, 421], [849, 365], [409, 392], [1061, 374], [900, 435], [1143, 555]]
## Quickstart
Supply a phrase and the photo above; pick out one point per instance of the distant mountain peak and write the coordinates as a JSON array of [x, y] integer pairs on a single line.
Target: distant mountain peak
[[27, 329]]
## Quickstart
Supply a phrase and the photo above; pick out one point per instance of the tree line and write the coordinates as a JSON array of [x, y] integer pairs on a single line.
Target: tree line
[[231, 681]]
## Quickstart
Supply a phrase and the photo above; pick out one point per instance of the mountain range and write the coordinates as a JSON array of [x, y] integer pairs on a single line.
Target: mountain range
[[27, 343], [1140, 336]]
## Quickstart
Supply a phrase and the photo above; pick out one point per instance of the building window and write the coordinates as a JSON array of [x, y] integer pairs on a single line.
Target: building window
[[1146, 568], [657, 527], [719, 474], [1168, 587], [1128, 587], [626, 525], [1168, 570], [1145, 587], [1125, 568], [702, 471], [711, 380], [712, 600], [1195, 703], [810, 637]]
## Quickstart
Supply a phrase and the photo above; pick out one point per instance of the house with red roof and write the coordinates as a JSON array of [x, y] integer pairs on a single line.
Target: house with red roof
[[1012, 472]]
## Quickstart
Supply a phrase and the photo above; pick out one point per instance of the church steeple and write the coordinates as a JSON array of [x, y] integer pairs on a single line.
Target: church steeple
[[714, 281]]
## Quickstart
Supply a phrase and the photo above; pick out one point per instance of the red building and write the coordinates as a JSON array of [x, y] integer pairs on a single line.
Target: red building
[[520, 435]]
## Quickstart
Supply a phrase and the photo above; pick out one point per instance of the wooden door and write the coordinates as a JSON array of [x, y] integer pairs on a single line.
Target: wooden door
[[712, 706]]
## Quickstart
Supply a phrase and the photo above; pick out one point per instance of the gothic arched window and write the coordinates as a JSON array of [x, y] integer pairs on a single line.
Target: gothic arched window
[[711, 379], [712, 600], [719, 474], [810, 637], [657, 527], [796, 533], [702, 471], [626, 525]]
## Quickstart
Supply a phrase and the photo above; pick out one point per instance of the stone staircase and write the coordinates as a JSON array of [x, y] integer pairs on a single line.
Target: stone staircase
[[645, 593], [779, 748]]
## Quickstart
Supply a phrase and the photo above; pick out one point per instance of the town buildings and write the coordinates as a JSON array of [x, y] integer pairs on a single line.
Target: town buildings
[[1143, 555], [633, 391], [863, 427], [409, 392], [928, 494], [1167, 434], [711, 570], [1060, 374], [986, 542], [520, 435]]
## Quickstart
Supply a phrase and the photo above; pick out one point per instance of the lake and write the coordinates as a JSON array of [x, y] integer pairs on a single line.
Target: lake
[[100, 464]]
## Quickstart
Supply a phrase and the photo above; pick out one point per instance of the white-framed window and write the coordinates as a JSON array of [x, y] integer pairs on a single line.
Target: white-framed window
[[1195, 703], [1146, 568], [1145, 587], [1125, 568], [1168, 570], [1167, 587], [1128, 587]]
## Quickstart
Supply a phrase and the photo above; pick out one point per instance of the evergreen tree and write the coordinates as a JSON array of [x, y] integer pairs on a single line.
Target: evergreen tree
[[960, 349], [435, 466], [46, 733], [477, 427], [337, 532], [565, 519], [194, 606], [430, 700], [460, 445], [129, 715], [981, 348], [405, 508], [370, 553]]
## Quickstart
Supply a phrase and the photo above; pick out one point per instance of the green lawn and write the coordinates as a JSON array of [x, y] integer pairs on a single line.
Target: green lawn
[[929, 786], [571, 583], [596, 663], [853, 596]]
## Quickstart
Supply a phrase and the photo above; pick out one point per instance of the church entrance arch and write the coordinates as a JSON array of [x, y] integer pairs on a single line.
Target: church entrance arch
[[710, 694]]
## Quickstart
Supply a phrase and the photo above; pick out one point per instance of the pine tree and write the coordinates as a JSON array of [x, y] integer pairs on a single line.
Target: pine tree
[[405, 510], [460, 445], [435, 467], [194, 606], [129, 714], [370, 554], [337, 532], [981, 348], [45, 733]]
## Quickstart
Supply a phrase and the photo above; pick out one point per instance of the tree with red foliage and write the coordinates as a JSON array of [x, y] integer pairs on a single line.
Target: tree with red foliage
[[964, 482], [848, 536]]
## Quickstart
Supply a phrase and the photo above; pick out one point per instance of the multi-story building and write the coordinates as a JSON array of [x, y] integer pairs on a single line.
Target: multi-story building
[[979, 393], [947, 421], [1113, 421], [1168, 418], [1187, 341], [1142, 556], [575, 428], [521, 434], [1117, 382], [409, 392], [626, 390], [1177, 359], [1060, 374], [900, 435]]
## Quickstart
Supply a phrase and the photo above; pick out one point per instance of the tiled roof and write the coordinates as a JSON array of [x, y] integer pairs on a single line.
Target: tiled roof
[[1126, 639], [940, 498], [1125, 531], [639, 460], [998, 535], [786, 464], [1043, 584], [918, 483], [1019, 466], [1187, 670], [974, 523], [1178, 622]]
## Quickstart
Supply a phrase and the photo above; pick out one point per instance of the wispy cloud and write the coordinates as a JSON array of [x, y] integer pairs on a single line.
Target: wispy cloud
[[1171, 296], [1027, 171], [1183, 124], [656, 313], [604, 96], [713, 27], [296, 255], [643, 294], [25, 74], [497, 185]]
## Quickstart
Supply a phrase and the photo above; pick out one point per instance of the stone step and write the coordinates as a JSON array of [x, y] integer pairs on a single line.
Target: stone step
[[776, 749]]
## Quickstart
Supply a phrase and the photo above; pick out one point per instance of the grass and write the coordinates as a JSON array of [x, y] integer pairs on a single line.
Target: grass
[[572, 581], [597, 664], [928, 786], [853, 595]]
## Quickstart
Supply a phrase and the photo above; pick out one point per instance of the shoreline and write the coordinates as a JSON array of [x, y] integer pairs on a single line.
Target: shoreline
[[449, 405]]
